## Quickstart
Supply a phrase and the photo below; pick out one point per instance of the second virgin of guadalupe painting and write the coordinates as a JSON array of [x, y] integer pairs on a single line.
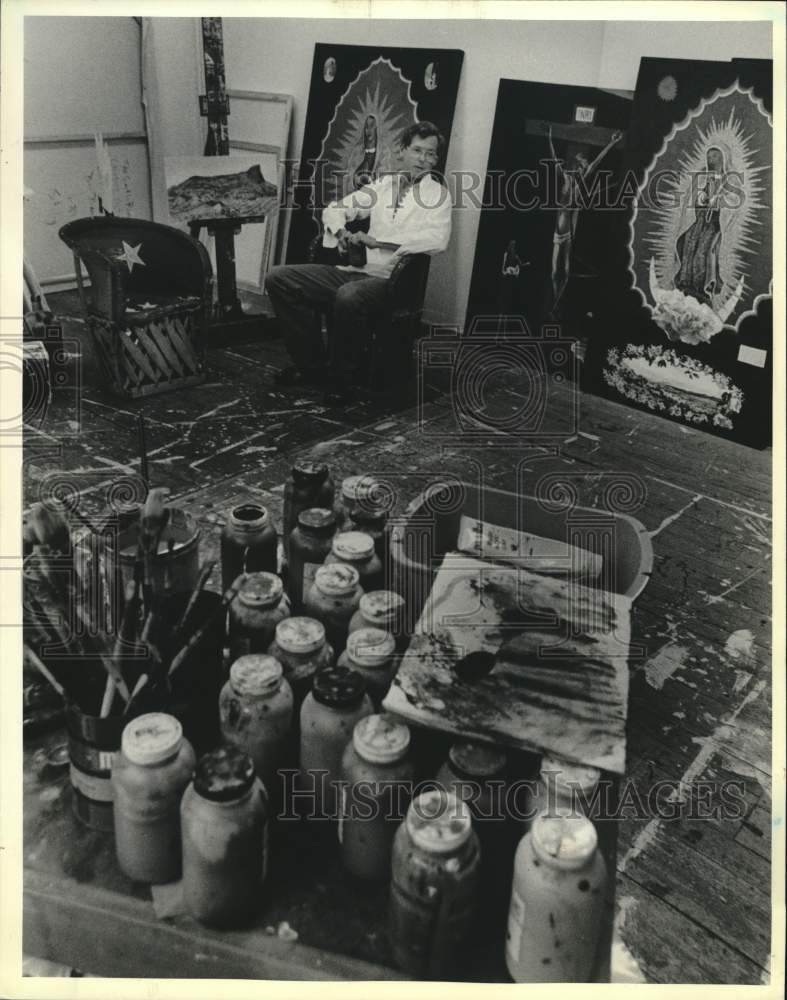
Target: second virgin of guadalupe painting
[[360, 101], [549, 212], [691, 334]]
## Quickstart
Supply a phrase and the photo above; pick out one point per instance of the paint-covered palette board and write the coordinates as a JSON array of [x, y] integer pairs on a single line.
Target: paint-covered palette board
[[559, 680]]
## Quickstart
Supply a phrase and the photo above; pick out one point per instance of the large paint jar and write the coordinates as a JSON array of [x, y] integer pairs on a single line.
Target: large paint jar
[[255, 611], [309, 544], [372, 653], [379, 773], [310, 485], [563, 788], [333, 599], [355, 548], [329, 713], [224, 833], [149, 775], [256, 714], [382, 609], [302, 649], [248, 543], [435, 868], [557, 902]]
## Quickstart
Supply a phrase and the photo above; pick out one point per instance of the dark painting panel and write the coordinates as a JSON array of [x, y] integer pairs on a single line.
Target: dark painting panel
[[361, 98], [687, 332], [551, 207]]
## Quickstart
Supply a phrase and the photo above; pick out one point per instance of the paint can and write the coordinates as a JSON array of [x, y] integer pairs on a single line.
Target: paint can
[[174, 571], [93, 744]]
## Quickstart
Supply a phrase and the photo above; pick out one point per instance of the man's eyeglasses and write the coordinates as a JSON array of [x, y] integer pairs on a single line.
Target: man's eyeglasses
[[427, 154]]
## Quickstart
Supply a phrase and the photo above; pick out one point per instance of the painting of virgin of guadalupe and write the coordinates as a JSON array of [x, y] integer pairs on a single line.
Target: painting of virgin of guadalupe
[[692, 295], [697, 247], [355, 118]]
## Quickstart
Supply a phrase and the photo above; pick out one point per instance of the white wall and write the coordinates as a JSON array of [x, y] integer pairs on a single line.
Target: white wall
[[81, 76], [276, 55], [626, 42]]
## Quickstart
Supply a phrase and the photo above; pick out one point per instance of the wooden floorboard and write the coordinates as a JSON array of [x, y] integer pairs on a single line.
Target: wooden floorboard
[[693, 894]]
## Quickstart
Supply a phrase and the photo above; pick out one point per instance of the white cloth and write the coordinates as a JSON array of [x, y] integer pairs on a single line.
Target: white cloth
[[421, 224]]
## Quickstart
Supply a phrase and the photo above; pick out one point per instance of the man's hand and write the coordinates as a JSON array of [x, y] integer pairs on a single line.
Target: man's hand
[[365, 238]]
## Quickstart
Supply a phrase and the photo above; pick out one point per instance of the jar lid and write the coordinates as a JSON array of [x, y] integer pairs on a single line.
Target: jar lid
[[300, 635], [568, 775], [338, 687], [309, 470], [365, 514], [438, 821], [224, 774], [355, 488], [354, 546], [256, 675], [336, 579], [477, 760], [321, 520], [563, 841], [381, 606], [260, 590], [249, 515], [151, 738], [370, 647], [381, 739]]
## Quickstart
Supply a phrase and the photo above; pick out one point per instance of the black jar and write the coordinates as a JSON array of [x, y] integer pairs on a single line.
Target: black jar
[[310, 485], [310, 543], [248, 543]]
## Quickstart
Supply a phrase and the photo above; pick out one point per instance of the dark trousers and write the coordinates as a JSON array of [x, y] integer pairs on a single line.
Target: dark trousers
[[353, 300]]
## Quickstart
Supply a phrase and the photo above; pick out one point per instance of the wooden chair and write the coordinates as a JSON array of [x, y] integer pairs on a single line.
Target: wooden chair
[[395, 333], [148, 302]]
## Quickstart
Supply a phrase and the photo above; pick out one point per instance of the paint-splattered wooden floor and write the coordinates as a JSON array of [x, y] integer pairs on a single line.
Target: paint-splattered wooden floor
[[693, 894]]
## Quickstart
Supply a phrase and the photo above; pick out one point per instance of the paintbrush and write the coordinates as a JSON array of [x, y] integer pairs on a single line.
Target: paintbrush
[[63, 597], [197, 637], [153, 519], [202, 579], [32, 660], [49, 528], [126, 635], [143, 451]]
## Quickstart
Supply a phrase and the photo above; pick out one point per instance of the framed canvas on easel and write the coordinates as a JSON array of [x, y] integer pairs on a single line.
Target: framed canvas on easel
[[260, 123]]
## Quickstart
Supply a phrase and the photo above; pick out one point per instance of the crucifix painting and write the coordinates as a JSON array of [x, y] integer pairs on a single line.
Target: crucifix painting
[[549, 205], [574, 174]]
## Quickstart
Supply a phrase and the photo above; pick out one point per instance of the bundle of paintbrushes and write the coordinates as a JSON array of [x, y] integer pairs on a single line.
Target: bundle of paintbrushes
[[111, 649]]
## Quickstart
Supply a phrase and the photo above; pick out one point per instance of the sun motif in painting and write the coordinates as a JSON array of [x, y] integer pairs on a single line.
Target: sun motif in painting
[[361, 141], [702, 218]]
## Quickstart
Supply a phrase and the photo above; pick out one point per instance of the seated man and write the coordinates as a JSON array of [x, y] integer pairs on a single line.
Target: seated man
[[409, 211]]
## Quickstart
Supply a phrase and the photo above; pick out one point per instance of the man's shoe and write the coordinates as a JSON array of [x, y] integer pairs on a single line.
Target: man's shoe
[[291, 375], [339, 394]]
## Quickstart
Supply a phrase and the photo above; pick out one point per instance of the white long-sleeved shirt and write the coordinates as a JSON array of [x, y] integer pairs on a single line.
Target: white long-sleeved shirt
[[421, 224]]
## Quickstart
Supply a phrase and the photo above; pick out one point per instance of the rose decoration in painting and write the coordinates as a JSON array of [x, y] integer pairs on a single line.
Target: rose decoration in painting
[[681, 316]]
